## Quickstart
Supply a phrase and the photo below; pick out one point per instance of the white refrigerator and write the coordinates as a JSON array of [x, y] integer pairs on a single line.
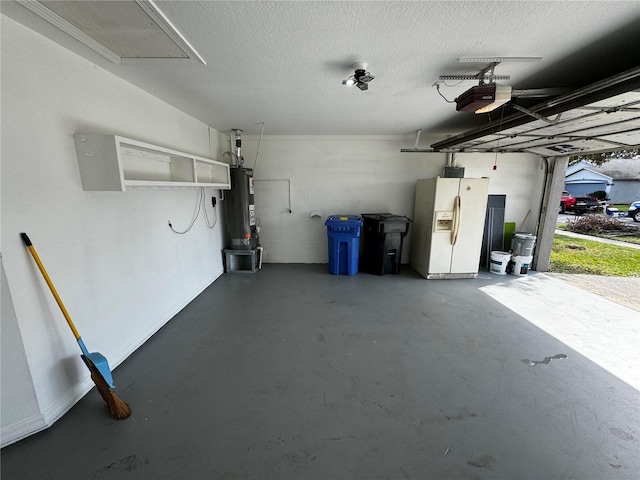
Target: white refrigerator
[[448, 224]]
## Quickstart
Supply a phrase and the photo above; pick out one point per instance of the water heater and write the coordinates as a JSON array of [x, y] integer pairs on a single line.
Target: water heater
[[240, 208], [241, 213]]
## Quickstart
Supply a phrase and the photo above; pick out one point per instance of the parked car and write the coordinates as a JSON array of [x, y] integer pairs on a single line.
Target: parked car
[[585, 204], [567, 201], [634, 211]]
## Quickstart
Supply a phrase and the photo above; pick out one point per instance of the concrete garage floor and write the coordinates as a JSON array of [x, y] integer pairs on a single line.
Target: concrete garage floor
[[292, 373]]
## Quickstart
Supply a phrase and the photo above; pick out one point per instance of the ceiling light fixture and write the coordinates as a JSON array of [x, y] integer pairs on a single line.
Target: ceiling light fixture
[[122, 30], [360, 78]]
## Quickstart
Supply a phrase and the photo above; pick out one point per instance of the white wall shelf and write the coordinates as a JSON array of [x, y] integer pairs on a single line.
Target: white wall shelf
[[114, 163]]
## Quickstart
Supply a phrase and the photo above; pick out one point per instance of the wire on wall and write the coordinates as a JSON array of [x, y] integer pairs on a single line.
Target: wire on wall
[[206, 215], [200, 205], [437, 85], [255, 164]]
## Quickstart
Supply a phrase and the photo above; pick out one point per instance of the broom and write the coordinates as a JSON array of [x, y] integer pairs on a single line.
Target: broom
[[95, 362]]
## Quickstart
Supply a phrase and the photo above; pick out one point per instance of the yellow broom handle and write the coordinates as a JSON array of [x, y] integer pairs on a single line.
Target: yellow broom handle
[[34, 254]]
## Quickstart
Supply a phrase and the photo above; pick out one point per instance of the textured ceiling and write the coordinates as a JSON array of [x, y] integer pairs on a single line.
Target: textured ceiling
[[282, 63]]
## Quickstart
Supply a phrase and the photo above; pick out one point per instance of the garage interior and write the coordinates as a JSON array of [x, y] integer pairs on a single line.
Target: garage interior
[[290, 372]]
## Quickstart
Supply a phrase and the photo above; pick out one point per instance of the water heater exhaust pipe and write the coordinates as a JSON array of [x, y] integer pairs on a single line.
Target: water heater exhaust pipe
[[239, 159]]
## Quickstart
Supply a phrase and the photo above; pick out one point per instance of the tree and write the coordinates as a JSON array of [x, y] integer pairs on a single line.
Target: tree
[[600, 158]]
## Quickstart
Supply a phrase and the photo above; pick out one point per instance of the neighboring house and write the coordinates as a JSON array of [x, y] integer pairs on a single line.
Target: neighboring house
[[620, 178]]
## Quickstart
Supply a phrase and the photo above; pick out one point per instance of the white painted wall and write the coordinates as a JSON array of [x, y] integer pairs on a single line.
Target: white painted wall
[[17, 385], [119, 269], [355, 175]]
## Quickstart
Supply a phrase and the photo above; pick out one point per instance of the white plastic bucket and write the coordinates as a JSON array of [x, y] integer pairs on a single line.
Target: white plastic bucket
[[521, 264], [499, 261]]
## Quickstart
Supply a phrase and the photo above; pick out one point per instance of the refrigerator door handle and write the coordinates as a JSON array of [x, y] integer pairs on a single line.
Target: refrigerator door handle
[[456, 220]]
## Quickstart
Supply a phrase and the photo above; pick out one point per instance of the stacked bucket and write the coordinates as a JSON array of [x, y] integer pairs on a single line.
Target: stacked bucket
[[518, 261]]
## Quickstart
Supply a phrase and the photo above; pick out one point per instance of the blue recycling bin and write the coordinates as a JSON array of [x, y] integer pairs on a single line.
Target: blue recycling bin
[[343, 232]]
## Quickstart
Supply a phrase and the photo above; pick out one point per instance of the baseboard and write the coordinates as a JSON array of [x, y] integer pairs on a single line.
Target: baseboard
[[24, 428], [54, 412], [63, 404], [123, 353], [21, 429]]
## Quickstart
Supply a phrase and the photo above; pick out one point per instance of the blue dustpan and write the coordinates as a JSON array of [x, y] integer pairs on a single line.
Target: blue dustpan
[[97, 360]]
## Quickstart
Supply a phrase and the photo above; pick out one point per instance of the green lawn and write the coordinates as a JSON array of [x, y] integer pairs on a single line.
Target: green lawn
[[621, 208], [576, 255], [627, 239]]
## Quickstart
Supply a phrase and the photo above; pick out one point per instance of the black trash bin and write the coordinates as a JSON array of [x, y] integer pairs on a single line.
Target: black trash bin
[[382, 237]]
